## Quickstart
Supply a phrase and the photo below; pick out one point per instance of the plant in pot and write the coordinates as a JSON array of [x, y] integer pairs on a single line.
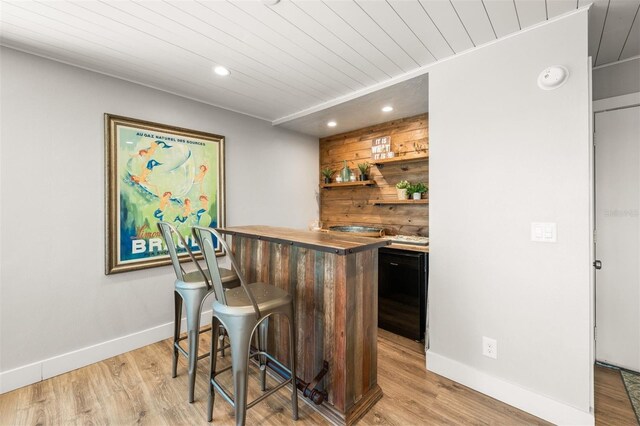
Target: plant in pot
[[364, 170], [401, 188], [327, 174], [417, 190]]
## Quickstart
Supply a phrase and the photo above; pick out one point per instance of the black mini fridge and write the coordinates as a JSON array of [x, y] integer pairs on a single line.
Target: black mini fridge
[[402, 292]]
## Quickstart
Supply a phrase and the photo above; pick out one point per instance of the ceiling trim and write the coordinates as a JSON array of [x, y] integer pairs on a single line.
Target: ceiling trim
[[621, 61], [415, 73]]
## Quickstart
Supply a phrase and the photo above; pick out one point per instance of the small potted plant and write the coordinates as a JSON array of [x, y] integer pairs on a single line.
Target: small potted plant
[[417, 190], [328, 174], [364, 170], [401, 187], [410, 190]]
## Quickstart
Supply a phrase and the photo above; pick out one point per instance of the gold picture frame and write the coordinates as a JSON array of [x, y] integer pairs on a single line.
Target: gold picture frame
[[158, 172]]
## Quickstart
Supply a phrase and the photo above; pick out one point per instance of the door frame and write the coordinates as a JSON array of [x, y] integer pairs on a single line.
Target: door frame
[[592, 245], [601, 105]]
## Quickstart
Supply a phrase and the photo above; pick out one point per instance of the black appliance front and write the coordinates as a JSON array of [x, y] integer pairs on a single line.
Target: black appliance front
[[402, 292]]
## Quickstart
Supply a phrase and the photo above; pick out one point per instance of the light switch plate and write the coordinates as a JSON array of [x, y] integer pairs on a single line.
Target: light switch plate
[[544, 232]]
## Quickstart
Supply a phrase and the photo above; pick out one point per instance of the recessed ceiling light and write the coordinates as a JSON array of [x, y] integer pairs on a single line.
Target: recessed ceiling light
[[332, 124], [387, 108], [220, 70]]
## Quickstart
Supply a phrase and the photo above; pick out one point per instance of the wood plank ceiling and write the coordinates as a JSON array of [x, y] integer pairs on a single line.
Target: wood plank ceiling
[[291, 56]]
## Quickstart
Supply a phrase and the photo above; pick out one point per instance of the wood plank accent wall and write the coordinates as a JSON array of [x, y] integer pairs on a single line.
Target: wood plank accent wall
[[354, 205], [336, 315]]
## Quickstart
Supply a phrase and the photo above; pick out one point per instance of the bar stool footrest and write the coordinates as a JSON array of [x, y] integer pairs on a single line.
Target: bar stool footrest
[[186, 354], [217, 386], [272, 359], [267, 393], [186, 336]]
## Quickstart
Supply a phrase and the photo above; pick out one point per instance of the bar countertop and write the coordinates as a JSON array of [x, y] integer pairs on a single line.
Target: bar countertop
[[410, 247], [321, 241]]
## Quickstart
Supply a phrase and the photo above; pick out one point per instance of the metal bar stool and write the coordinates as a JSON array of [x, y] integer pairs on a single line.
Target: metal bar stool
[[192, 288], [241, 311]]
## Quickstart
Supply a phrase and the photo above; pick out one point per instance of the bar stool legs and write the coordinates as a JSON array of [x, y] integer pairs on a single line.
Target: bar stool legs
[[240, 333], [215, 327], [193, 299], [263, 332], [177, 319], [240, 347], [292, 360], [193, 331]]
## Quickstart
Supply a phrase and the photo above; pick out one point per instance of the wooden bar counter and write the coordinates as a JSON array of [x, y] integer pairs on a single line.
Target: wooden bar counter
[[334, 280]]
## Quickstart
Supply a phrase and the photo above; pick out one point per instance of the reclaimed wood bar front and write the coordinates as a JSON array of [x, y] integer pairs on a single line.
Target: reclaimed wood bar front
[[334, 280]]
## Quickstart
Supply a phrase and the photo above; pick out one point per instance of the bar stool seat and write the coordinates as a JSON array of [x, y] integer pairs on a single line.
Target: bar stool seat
[[242, 311], [190, 288], [266, 296], [193, 280]]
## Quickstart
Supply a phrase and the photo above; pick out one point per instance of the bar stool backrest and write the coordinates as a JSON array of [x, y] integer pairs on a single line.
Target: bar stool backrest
[[206, 238], [168, 231]]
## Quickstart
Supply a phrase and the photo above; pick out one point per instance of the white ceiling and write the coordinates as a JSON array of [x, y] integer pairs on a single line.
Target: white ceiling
[[295, 56], [408, 98]]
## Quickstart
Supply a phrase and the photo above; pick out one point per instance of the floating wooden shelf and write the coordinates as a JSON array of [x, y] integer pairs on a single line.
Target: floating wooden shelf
[[391, 202], [394, 160], [344, 184]]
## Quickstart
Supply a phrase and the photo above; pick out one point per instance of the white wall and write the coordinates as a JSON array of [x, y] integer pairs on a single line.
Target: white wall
[[621, 78], [503, 154], [55, 297]]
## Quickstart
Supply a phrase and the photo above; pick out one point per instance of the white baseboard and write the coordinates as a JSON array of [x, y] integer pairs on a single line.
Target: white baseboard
[[509, 393], [50, 367], [21, 376]]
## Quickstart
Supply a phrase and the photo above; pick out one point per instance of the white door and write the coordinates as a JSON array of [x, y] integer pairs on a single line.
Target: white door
[[617, 205]]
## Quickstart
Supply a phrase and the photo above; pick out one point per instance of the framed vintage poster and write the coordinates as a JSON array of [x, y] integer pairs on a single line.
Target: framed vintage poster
[[157, 172]]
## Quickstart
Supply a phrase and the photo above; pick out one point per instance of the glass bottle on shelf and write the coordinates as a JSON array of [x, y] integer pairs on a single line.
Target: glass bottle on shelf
[[345, 173]]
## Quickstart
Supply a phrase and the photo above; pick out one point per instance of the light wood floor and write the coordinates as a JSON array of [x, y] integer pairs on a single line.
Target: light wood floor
[[612, 402], [137, 388]]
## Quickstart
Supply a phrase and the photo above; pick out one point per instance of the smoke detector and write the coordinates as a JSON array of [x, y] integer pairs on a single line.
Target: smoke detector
[[553, 77]]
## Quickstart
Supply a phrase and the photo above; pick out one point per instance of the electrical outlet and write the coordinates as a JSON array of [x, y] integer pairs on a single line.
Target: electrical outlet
[[489, 347]]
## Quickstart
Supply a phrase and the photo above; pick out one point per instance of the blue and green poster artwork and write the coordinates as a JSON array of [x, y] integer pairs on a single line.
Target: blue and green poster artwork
[[164, 176]]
